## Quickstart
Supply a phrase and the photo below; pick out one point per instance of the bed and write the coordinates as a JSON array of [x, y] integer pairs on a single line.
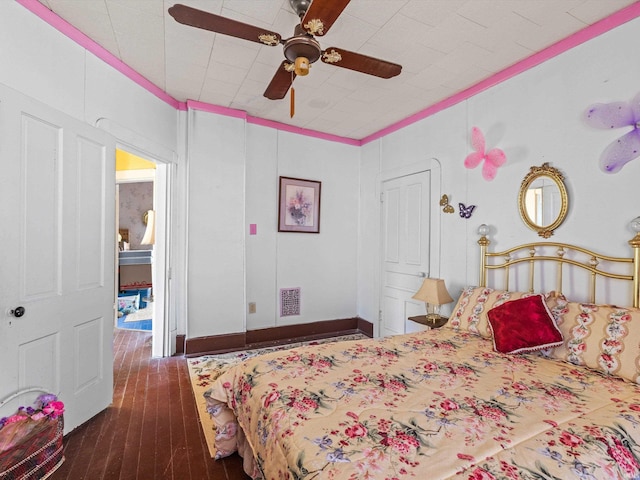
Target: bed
[[517, 385]]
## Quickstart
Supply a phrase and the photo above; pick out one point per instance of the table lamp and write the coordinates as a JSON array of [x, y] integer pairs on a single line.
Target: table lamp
[[433, 292]]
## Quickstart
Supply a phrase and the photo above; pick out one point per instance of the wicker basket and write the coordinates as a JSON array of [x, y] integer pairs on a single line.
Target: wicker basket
[[31, 449]]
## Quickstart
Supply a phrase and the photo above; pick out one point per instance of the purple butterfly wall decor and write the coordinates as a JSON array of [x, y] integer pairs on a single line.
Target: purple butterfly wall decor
[[493, 159], [465, 212], [616, 115]]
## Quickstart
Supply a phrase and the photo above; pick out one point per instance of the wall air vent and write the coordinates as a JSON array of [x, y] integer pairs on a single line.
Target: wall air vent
[[289, 302]]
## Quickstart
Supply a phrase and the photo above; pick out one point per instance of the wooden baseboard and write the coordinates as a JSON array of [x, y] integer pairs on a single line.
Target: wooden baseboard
[[180, 341], [365, 327], [215, 344], [276, 336]]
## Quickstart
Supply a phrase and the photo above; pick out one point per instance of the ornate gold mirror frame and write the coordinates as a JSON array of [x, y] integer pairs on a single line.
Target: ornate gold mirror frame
[[543, 200]]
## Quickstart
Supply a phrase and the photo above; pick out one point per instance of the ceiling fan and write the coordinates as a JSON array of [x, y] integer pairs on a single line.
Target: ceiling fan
[[300, 50]]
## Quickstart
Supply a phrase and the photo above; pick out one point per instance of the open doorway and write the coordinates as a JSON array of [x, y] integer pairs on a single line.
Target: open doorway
[[135, 179], [138, 282]]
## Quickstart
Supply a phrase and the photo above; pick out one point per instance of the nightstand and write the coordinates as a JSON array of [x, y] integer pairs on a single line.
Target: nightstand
[[422, 319]]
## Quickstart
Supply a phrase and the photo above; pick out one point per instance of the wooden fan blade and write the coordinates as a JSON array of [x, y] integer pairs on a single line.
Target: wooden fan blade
[[280, 83], [215, 23], [326, 11], [360, 63]]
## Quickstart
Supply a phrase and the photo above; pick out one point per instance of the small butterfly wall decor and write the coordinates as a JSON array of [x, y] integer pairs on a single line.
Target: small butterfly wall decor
[[444, 202], [493, 159], [465, 212], [617, 115]]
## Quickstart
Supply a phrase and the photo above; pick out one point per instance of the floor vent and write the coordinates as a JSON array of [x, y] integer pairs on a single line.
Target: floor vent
[[289, 302]]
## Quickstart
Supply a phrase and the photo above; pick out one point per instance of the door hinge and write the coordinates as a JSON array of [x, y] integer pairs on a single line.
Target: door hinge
[[380, 315], [381, 197]]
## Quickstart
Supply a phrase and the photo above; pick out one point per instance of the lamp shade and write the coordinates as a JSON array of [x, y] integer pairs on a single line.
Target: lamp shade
[[149, 237], [434, 292]]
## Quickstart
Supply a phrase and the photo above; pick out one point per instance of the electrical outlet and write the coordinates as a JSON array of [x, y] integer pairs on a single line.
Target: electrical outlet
[[252, 307]]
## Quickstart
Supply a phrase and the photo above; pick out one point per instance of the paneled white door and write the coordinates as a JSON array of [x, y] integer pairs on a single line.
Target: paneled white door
[[405, 249], [57, 288]]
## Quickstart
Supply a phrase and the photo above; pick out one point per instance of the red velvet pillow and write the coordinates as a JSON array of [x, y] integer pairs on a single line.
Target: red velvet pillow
[[523, 325]]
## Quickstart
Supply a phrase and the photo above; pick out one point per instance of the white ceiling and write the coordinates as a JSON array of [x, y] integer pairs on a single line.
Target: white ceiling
[[444, 47]]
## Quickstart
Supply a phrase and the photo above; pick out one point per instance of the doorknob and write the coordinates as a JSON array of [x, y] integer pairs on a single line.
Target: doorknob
[[422, 274], [17, 312]]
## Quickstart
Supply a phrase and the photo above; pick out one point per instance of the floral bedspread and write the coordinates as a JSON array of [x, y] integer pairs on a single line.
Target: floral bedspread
[[431, 405]]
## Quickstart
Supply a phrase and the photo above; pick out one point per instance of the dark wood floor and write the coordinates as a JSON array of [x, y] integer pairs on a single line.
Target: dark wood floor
[[151, 432]]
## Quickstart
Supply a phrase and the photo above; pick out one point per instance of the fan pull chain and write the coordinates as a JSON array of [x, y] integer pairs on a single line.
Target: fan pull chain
[[292, 102]]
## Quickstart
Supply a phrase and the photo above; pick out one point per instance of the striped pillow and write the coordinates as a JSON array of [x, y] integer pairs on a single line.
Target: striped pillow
[[605, 338], [470, 312]]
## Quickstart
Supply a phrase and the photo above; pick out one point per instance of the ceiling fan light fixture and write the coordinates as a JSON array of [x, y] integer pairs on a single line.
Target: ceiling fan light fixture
[[302, 66]]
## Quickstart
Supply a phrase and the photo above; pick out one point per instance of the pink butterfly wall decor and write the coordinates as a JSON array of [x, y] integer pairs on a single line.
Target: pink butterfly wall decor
[[616, 115], [493, 159]]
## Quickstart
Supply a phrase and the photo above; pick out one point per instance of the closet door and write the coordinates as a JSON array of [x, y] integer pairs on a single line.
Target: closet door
[[57, 287], [405, 248]]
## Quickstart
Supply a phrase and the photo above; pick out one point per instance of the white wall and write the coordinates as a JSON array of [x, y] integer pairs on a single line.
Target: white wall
[[369, 233], [323, 265], [535, 118], [261, 208], [46, 65], [234, 170], [216, 192]]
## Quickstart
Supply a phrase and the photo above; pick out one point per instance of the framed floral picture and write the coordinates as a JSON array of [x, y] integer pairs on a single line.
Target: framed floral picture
[[299, 205]]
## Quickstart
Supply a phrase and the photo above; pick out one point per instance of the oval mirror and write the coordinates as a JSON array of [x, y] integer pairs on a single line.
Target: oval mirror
[[543, 199]]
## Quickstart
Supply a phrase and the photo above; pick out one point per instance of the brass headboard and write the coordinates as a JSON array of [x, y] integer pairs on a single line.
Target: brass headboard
[[529, 253]]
